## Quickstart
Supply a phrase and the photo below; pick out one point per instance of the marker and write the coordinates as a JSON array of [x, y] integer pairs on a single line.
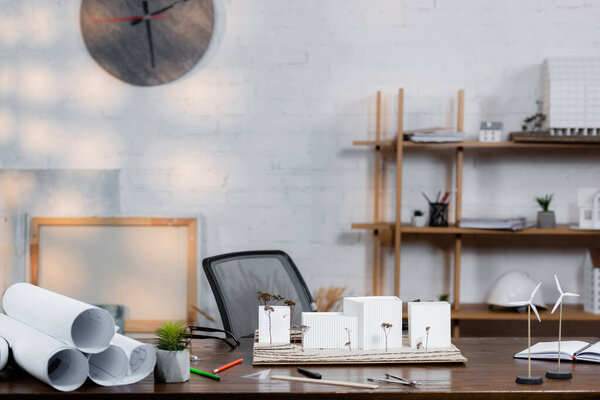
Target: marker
[[231, 364], [207, 374], [310, 374]]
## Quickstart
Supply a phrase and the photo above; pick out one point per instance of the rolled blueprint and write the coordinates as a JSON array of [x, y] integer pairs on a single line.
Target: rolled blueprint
[[142, 358], [76, 323], [3, 353], [108, 367], [48, 359]]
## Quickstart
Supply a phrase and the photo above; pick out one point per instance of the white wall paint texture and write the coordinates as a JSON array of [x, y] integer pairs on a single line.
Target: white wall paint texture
[[257, 138]]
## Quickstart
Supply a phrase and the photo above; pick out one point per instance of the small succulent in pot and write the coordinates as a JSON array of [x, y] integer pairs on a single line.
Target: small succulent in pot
[[545, 218], [172, 354], [418, 218]]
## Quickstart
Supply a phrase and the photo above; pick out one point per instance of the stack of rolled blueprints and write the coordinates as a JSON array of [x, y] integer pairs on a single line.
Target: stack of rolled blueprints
[[62, 341]]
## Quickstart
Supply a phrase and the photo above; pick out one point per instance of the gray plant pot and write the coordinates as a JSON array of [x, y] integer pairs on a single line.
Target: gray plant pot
[[172, 366], [545, 219]]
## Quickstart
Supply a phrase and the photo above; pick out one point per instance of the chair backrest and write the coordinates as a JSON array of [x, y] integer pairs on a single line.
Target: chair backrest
[[235, 279]]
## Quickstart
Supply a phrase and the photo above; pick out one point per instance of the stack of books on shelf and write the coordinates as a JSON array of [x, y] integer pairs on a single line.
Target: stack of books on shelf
[[513, 224], [433, 136]]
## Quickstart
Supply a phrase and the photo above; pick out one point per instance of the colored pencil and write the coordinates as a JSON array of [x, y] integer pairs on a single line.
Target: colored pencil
[[207, 374], [324, 382], [231, 364]]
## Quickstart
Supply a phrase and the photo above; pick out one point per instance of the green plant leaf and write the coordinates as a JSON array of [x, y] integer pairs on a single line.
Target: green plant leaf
[[171, 336]]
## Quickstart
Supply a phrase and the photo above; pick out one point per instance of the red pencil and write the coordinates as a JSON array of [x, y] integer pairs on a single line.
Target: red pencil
[[231, 364]]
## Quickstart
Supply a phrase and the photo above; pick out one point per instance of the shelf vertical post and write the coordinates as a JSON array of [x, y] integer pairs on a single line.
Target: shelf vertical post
[[398, 216], [376, 200], [458, 209]]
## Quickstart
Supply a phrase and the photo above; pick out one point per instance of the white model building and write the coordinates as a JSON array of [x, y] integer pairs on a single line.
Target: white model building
[[329, 330], [588, 201], [571, 95], [591, 282], [372, 312], [429, 324], [490, 131]]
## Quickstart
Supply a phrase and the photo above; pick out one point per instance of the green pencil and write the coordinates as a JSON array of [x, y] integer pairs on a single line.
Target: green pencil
[[207, 374]]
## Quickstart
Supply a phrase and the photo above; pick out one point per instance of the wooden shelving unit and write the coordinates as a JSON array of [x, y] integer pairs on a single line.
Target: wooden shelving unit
[[390, 233]]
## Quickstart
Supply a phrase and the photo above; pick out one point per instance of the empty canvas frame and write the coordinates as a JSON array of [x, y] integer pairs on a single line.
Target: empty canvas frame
[[429, 324], [146, 264]]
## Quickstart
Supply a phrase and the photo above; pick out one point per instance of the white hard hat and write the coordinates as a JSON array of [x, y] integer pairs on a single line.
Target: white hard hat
[[514, 286]]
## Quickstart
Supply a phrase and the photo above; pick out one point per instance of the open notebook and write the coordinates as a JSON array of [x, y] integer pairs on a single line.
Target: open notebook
[[569, 350]]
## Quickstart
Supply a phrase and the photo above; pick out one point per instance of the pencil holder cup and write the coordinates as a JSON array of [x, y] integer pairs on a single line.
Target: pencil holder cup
[[438, 214]]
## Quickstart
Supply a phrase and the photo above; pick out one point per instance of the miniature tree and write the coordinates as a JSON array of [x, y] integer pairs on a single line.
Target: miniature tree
[[419, 345], [427, 328], [291, 304], [349, 342], [269, 310], [304, 329], [386, 330]]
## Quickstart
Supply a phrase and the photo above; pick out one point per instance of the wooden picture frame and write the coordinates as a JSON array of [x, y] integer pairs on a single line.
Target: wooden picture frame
[[131, 325]]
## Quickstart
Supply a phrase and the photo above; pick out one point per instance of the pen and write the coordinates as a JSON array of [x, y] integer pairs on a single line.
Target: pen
[[310, 374], [426, 198], [231, 364], [207, 374]]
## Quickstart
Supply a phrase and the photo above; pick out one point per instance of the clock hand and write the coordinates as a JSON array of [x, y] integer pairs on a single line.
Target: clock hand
[[136, 18], [149, 33], [162, 10]]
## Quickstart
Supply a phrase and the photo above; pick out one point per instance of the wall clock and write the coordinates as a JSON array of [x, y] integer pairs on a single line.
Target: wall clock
[[147, 42]]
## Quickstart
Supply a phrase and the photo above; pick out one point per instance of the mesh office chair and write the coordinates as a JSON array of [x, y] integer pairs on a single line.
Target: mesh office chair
[[236, 277]]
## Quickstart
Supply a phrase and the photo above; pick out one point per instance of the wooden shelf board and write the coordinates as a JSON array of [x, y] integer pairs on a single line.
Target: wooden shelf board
[[391, 145], [560, 230], [480, 311], [506, 144]]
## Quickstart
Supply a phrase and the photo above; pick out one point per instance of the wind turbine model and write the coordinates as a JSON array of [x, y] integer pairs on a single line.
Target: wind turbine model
[[529, 380], [558, 374]]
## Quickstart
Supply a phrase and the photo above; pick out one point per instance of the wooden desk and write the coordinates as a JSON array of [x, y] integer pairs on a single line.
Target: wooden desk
[[490, 373]]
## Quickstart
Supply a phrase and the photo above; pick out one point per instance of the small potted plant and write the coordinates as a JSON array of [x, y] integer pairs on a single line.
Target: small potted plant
[[545, 218], [418, 218], [172, 354]]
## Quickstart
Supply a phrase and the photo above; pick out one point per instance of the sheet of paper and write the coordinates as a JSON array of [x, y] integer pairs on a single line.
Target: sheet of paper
[[3, 353], [141, 356], [73, 322], [48, 359], [108, 367]]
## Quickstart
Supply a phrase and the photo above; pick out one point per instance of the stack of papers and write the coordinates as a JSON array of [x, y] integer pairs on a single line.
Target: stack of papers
[[435, 137], [513, 224]]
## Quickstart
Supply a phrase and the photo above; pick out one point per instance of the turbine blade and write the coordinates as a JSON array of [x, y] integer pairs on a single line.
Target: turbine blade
[[558, 284], [535, 311], [571, 294], [534, 290], [557, 303]]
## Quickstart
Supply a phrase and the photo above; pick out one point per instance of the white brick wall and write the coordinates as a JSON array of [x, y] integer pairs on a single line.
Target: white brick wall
[[257, 138]]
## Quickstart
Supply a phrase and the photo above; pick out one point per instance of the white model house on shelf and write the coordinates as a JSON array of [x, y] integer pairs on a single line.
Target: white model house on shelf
[[571, 95], [490, 131], [591, 282], [588, 202]]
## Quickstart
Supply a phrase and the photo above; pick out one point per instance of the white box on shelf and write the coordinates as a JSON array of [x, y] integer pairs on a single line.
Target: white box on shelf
[[591, 282], [570, 89], [329, 330], [372, 312], [274, 324], [588, 201], [429, 324]]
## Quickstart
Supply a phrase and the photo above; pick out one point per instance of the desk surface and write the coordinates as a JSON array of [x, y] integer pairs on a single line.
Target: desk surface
[[489, 373]]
